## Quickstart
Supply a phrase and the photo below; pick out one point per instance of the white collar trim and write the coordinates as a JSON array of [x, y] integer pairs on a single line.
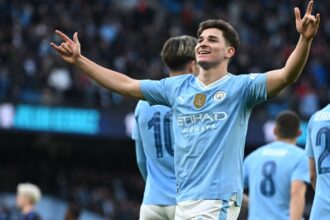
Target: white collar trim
[[219, 81]]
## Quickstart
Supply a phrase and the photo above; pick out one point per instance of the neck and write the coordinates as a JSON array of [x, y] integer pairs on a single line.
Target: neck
[[27, 209], [287, 140], [178, 73], [208, 76]]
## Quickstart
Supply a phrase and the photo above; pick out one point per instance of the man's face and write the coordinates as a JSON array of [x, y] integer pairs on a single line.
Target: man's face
[[211, 48], [21, 201]]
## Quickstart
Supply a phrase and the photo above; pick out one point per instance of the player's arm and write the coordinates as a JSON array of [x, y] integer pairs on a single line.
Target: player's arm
[[70, 52], [307, 27], [312, 170], [297, 201], [141, 159]]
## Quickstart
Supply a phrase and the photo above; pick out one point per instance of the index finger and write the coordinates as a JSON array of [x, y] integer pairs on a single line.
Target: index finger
[[310, 7], [63, 36]]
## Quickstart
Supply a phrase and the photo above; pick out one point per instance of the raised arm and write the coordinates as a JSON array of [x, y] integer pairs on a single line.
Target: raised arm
[[307, 27], [70, 52]]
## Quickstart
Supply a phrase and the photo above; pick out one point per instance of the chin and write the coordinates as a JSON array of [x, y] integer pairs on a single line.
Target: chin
[[206, 64]]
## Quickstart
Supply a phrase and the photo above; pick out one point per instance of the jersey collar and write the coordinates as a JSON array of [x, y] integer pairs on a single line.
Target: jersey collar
[[214, 84]]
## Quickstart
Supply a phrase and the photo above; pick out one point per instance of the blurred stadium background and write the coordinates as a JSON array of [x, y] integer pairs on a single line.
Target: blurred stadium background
[[63, 132]]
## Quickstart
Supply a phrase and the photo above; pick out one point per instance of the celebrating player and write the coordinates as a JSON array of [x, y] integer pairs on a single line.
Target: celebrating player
[[154, 139], [318, 150], [210, 111], [276, 174]]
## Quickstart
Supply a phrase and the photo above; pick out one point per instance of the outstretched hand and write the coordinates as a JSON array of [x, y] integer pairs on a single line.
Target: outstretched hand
[[69, 50], [308, 25]]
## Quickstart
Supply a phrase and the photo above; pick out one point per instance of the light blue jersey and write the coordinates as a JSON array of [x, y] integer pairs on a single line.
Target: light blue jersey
[[318, 147], [210, 126], [268, 173], [154, 138]]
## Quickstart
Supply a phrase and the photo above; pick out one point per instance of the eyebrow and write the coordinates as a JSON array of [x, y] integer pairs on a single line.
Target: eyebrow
[[213, 37], [210, 36]]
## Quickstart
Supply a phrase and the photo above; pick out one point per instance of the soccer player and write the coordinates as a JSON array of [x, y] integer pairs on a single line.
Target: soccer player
[[276, 174], [210, 111], [154, 139], [318, 151], [27, 197]]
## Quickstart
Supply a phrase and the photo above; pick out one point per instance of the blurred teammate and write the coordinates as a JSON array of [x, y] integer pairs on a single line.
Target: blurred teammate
[[276, 174], [211, 111], [154, 138], [318, 150], [27, 197]]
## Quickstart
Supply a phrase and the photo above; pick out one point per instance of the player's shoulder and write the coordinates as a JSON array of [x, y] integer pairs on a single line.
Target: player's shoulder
[[141, 105], [321, 115], [246, 78], [255, 154], [180, 78], [145, 107]]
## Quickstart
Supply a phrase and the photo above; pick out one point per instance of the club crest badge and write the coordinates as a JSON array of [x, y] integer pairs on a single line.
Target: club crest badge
[[199, 100], [219, 96]]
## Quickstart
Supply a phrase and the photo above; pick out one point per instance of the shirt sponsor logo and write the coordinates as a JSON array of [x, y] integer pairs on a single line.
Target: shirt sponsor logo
[[200, 122], [199, 100]]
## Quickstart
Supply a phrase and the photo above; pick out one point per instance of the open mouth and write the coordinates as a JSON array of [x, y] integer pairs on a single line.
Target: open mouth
[[204, 52]]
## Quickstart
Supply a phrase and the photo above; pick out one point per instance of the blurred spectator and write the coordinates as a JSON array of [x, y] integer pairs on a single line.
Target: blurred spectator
[[72, 213], [127, 35], [28, 195]]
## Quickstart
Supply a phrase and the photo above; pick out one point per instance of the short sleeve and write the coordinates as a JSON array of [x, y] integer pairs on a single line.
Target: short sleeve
[[155, 92], [256, 89], [301, 171], [309, 145]]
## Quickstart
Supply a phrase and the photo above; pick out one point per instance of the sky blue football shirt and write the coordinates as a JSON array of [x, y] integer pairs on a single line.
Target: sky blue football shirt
[[210, 126], [153, 130], [318, 147], [268, 173]]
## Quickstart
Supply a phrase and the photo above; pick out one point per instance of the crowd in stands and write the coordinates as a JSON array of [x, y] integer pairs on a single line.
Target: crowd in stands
[[113, 194], [128, 35]]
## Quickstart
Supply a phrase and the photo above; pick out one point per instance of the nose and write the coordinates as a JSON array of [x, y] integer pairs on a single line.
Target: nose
[[203, 43]]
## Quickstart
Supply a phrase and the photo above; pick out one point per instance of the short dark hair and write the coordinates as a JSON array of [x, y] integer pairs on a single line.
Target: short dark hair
[[229, 33], [287, 124], [178, 51]]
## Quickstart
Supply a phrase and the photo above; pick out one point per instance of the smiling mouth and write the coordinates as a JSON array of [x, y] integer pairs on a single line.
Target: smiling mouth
[[204, 52]]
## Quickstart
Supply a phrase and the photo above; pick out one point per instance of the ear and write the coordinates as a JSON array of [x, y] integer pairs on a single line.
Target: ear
[[230, 52], [275, 131]]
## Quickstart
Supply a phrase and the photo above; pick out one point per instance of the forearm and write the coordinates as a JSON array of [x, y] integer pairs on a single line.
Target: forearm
[[297, 60], [110, 79], [313, 182], [297, 205]]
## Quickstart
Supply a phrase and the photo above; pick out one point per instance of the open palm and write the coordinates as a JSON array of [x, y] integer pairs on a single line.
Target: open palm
[[308, 25]]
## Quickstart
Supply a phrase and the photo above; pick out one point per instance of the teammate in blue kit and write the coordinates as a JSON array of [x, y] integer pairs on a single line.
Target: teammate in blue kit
[[210, 112], [318, 150], [276, 174], [154, 139]]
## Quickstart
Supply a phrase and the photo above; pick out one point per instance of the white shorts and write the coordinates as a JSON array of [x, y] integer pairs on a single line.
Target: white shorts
[[157, 212], [207, 210]]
